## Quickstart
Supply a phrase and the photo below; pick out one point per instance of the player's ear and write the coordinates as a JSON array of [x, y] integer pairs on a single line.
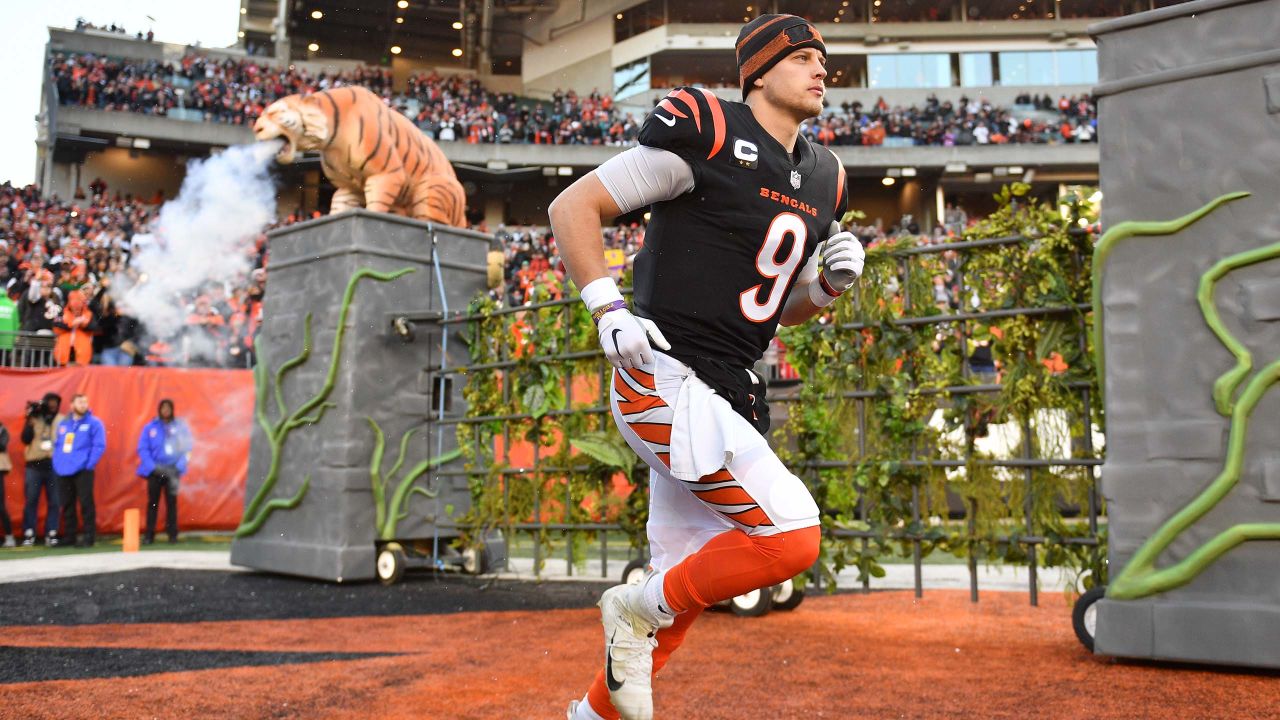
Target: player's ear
[[758, 82]]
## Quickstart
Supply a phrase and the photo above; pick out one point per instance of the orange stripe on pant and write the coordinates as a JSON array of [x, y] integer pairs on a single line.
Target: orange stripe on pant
[[630, 407], [668, 640], [642, 378], [625, 391], [754, 517], [659, 433], [717, 476], [724, 496]]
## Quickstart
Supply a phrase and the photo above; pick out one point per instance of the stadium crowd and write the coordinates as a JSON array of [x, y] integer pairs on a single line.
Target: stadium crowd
[[60, 262], [58, 259], [970, 121], [458, 109]]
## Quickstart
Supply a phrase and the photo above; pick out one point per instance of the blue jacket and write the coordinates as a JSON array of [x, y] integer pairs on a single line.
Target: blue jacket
[[164, 443], [78, 444]]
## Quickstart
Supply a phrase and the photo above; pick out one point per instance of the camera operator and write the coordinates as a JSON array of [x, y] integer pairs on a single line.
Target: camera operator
[[37, 434]]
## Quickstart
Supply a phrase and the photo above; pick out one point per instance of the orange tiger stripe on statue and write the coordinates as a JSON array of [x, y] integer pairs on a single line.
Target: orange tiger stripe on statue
[[375, 157]]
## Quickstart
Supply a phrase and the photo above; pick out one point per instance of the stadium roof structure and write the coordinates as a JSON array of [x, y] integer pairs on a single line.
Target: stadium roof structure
[[433, 31]]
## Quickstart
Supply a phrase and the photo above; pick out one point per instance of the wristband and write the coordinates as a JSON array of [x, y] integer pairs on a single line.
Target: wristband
[[599, 312], [819, 295], [826, 286], [600, 292]]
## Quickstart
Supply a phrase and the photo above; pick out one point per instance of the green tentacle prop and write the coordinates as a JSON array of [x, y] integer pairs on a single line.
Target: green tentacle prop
[[1140, 578], [311, 412], [1108, 242], [1225, 387], [388, 517]]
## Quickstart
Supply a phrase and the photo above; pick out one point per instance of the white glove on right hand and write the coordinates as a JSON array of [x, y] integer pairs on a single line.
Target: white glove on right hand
[[626, 339]]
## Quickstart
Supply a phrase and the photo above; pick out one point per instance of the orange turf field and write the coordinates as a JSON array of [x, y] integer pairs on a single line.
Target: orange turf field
[[885, 655]]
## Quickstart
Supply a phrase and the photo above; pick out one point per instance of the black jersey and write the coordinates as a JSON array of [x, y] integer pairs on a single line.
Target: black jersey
[[719, 261]]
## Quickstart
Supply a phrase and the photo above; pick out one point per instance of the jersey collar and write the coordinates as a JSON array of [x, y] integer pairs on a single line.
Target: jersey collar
[[808, 159]]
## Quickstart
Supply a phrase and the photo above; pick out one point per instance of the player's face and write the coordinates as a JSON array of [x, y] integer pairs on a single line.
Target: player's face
[[796, 83]]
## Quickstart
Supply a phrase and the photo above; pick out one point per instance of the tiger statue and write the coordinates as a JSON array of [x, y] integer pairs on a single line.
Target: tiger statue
[[373, 155]]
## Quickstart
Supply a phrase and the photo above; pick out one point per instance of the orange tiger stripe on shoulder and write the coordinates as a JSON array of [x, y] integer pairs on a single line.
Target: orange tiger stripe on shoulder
[[683, 96], [718, 126], [667, 105], [840, 178]]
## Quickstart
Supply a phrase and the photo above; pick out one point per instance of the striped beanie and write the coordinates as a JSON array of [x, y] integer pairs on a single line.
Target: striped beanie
[[765, 40]]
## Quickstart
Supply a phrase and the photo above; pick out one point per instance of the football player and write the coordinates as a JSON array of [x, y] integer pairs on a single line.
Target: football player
[[741, 204]]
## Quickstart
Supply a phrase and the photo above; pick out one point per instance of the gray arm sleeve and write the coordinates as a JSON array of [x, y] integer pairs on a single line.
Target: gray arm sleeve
[[643, 175]]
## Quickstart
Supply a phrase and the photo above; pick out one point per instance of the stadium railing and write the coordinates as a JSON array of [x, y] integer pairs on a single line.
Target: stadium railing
[[1020, 466], [26, 350]]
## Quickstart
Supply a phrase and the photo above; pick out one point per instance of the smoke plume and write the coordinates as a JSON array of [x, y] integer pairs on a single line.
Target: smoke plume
[[201, 236]]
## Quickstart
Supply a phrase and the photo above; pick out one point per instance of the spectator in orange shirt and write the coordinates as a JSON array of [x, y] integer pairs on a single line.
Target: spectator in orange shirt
[[74, 332]]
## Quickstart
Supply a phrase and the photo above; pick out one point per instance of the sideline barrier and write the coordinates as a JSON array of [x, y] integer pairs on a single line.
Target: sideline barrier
[[216, 404]]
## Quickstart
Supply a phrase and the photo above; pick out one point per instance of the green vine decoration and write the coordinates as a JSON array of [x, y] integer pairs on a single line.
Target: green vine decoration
[[387, 517], [1130, 229], [1140, 578], [865, 484], [259, 508], [584, 448], [858, 347]]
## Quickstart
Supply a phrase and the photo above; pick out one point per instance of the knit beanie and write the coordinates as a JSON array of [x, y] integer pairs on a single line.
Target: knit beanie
[[767, 39]]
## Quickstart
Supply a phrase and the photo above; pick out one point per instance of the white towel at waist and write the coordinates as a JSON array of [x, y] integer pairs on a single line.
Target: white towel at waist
[[705, 431]]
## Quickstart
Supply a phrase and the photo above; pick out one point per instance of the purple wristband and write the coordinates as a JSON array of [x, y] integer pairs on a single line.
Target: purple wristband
[[600, 311]]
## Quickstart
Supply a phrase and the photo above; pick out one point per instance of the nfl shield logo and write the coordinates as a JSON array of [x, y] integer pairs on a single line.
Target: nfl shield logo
[[795, 179]]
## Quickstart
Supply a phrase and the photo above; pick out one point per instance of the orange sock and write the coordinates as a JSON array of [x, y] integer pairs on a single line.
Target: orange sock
[[669, 638], [734, 562]]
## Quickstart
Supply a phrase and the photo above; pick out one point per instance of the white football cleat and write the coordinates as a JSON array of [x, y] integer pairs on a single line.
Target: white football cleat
[[572, 711], [629, 641]]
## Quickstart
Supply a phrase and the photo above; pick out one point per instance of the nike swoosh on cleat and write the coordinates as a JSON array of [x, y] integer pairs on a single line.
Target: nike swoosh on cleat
[[669, 122], [614, 685]]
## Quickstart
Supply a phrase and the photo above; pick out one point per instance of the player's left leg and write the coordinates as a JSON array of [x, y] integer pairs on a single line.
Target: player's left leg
[[596, 705], [777, 537]]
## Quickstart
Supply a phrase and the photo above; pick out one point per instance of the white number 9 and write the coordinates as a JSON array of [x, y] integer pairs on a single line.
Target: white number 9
[[769, 267]]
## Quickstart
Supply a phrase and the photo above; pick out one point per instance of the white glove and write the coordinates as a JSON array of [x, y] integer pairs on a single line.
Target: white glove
[[625, 338], [842, 260]]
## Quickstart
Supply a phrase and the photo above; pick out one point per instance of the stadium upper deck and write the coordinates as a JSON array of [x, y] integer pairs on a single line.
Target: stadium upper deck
[[898, 51]]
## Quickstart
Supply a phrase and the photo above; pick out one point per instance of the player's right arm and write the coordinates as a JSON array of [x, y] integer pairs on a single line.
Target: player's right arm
[[659, 169], [631, 180], [577, 219]]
